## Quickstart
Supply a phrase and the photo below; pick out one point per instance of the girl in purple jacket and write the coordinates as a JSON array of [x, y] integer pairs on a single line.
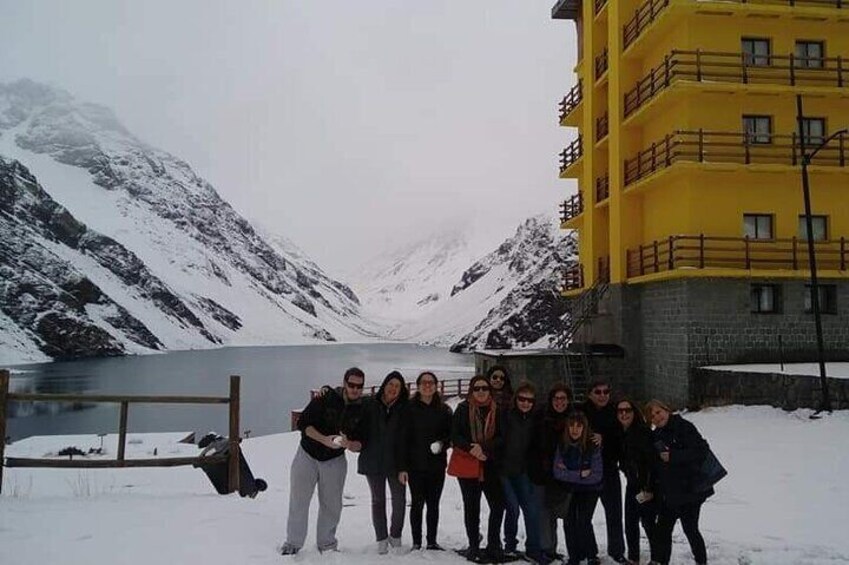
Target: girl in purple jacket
[[578, 465]]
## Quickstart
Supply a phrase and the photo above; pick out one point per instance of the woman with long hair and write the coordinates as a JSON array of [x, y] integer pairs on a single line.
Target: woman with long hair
[[679, 452], [476, 431], [385, 419], [422, 456], [578, 464], [636, 462], [502, 388]]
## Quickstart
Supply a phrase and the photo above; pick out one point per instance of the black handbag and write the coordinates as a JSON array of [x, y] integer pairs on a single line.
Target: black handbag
[[710, 472]]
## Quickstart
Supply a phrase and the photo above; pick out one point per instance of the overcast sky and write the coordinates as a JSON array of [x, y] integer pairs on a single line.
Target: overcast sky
[[346, 126]]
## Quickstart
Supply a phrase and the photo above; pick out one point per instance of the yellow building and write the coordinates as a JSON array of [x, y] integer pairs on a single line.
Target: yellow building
[[688, 164]]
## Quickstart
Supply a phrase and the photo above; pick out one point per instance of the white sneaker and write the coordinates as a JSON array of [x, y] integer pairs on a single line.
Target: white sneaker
[[383, 547]]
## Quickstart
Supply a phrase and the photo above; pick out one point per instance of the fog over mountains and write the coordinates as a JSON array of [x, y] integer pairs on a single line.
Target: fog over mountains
[[110, 247]]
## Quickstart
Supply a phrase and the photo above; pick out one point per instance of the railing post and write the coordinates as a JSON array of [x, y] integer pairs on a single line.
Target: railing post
[[699, 65], [792, 69], [842, 146], [745, 69], [668, 150], [234, 433], [122, 431], [701, 145], [842, 253], [795, 265], [747, 156], [4, 393], [748, 259], [656, 265], [642, 262], [793, 147], [839, 71], [653, 156], [701, 251], [666, 69], [671, 260]]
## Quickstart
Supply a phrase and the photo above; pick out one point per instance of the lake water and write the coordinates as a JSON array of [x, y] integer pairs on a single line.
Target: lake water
[[275, 381]]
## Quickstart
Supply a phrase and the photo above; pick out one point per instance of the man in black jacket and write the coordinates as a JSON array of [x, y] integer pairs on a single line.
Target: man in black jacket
[[330, 424], [601, 414]]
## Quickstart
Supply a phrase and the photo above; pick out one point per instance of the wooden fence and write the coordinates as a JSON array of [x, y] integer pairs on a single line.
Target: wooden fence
[[124, 401]]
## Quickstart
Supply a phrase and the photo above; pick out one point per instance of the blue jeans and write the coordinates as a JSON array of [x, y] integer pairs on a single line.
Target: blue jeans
[[519, 493]]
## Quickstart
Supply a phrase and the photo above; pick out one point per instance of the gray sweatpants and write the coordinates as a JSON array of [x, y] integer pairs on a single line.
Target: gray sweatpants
[[377, 484], [330, 477]]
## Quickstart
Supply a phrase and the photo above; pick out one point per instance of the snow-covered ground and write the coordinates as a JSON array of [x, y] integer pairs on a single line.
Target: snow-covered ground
[[784, 502], [833, 370]]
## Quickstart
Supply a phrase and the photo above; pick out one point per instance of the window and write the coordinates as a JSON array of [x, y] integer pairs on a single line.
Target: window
[[820, 225], [828, 298], [764, 298], [755, 51], [809, 54], [813, 129], [757, 226], [758, 129]]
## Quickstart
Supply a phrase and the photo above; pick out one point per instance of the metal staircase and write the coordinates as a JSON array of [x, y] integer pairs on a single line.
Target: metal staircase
[[577, 364]]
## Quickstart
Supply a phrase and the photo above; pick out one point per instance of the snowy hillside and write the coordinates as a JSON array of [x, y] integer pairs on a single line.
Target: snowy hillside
[[432, 292], [132, 248]]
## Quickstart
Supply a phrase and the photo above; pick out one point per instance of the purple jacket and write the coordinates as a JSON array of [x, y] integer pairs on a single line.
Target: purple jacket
[[570, 461]]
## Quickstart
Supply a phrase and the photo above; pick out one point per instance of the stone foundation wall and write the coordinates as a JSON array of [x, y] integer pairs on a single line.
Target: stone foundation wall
[[717, 388]]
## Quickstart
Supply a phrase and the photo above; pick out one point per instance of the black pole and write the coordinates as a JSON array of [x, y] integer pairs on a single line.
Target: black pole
[[809, 225]]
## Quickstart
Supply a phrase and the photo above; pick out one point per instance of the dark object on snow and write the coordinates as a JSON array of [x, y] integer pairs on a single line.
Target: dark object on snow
[[218, 472], [71, 451]]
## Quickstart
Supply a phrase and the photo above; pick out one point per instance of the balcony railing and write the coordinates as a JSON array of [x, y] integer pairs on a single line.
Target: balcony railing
[[704, 252], [602, 188], [601, 63], [736, 67], [648, 12], [603, 273], [602, 127], [571, 101], [571, 154], [573, 277], [599, 5], [571, 208], [731, 147], [643, 18]]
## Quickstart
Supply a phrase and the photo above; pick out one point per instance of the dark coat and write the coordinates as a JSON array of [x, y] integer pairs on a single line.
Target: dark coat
[[687, 449], [330, 414], [603, 421], [426, 423], [571, 460], [519, 429], [550, 428], [461, 436], [638, 456], [384, 427]]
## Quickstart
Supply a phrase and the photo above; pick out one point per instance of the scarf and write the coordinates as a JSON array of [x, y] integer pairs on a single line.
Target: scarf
[[482, 427]]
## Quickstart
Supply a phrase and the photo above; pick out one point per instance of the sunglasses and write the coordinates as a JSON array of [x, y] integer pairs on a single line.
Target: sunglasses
[[528, 399], [354, 385], [601, 391], [561, 398], [624, 410], [497, 377], [480, 388]]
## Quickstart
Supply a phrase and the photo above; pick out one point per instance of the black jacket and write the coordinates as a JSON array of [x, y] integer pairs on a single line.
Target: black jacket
[[551, 426], [518, 431], [331, 415], [384, 428], [426, 423], [461, 436], [637, 457], [603, 421], [687, 449]]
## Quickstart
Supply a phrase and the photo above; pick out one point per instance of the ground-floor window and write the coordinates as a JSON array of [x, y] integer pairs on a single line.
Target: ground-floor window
[[765, 298], [828, 299]]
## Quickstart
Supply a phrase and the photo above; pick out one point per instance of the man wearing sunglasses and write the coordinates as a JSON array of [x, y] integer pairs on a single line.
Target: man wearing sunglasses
[[601, 414], [330, 424]]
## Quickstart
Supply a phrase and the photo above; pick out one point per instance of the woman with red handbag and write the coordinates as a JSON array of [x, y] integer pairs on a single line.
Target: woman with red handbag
[[476, 438]]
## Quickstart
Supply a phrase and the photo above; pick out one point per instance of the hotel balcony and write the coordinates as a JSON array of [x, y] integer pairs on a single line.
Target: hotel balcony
[[698, 252], [602, 188], [731, 148], [573, 277], [737, 68], [571, 208], [651, 10], [566, 10], [570, 106], [569, 156], [601, 64], [602, 127]]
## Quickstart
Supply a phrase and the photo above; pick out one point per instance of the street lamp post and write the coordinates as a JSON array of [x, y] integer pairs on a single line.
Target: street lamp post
[[809, 227]]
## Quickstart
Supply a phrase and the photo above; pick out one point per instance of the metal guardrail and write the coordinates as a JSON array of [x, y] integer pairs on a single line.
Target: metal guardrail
[[571, 154]]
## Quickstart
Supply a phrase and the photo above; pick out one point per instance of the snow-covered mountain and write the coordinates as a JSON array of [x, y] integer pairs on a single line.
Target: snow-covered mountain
[[111, 246], [432, 292]]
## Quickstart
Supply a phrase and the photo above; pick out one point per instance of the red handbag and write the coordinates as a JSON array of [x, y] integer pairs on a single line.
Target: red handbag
[[464, 465]]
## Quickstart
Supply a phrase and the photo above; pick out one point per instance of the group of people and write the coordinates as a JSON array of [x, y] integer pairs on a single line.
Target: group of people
[[542, 463]]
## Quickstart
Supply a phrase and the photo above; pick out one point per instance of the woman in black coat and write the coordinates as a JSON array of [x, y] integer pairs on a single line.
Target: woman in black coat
[[422, 456], [384, 423], [680, 450], [636, 461]]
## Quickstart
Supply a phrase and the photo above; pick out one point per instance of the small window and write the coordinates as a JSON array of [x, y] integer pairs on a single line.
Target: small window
[[756, 51], [813, 129], [820, 225], [758, 129], [810, 54], [828, 299], [764, 298], [757, 226]]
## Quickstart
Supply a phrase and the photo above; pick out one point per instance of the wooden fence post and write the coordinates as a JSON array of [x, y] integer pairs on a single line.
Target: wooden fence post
[[122, 431], [4, 392], [234, 433]]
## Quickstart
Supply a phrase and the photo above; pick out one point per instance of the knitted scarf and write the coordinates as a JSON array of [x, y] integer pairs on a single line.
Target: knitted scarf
[[482, 427]]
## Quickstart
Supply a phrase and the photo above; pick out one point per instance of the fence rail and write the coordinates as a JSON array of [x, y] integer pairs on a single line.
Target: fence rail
[[602, 188], [732, 147], [571, 101], [701, 252], [573, 277], [737, 68], [602, 126], [601, 64], [448, 388], [572, 207], [124, 401], [571, 154]]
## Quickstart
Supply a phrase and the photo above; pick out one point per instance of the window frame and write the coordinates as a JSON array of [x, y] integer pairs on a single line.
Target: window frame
[[756, 217], [828, 299], [751, 58], [755, 305], [803, 229], [812, 141], [806, 61], [756, 137]]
